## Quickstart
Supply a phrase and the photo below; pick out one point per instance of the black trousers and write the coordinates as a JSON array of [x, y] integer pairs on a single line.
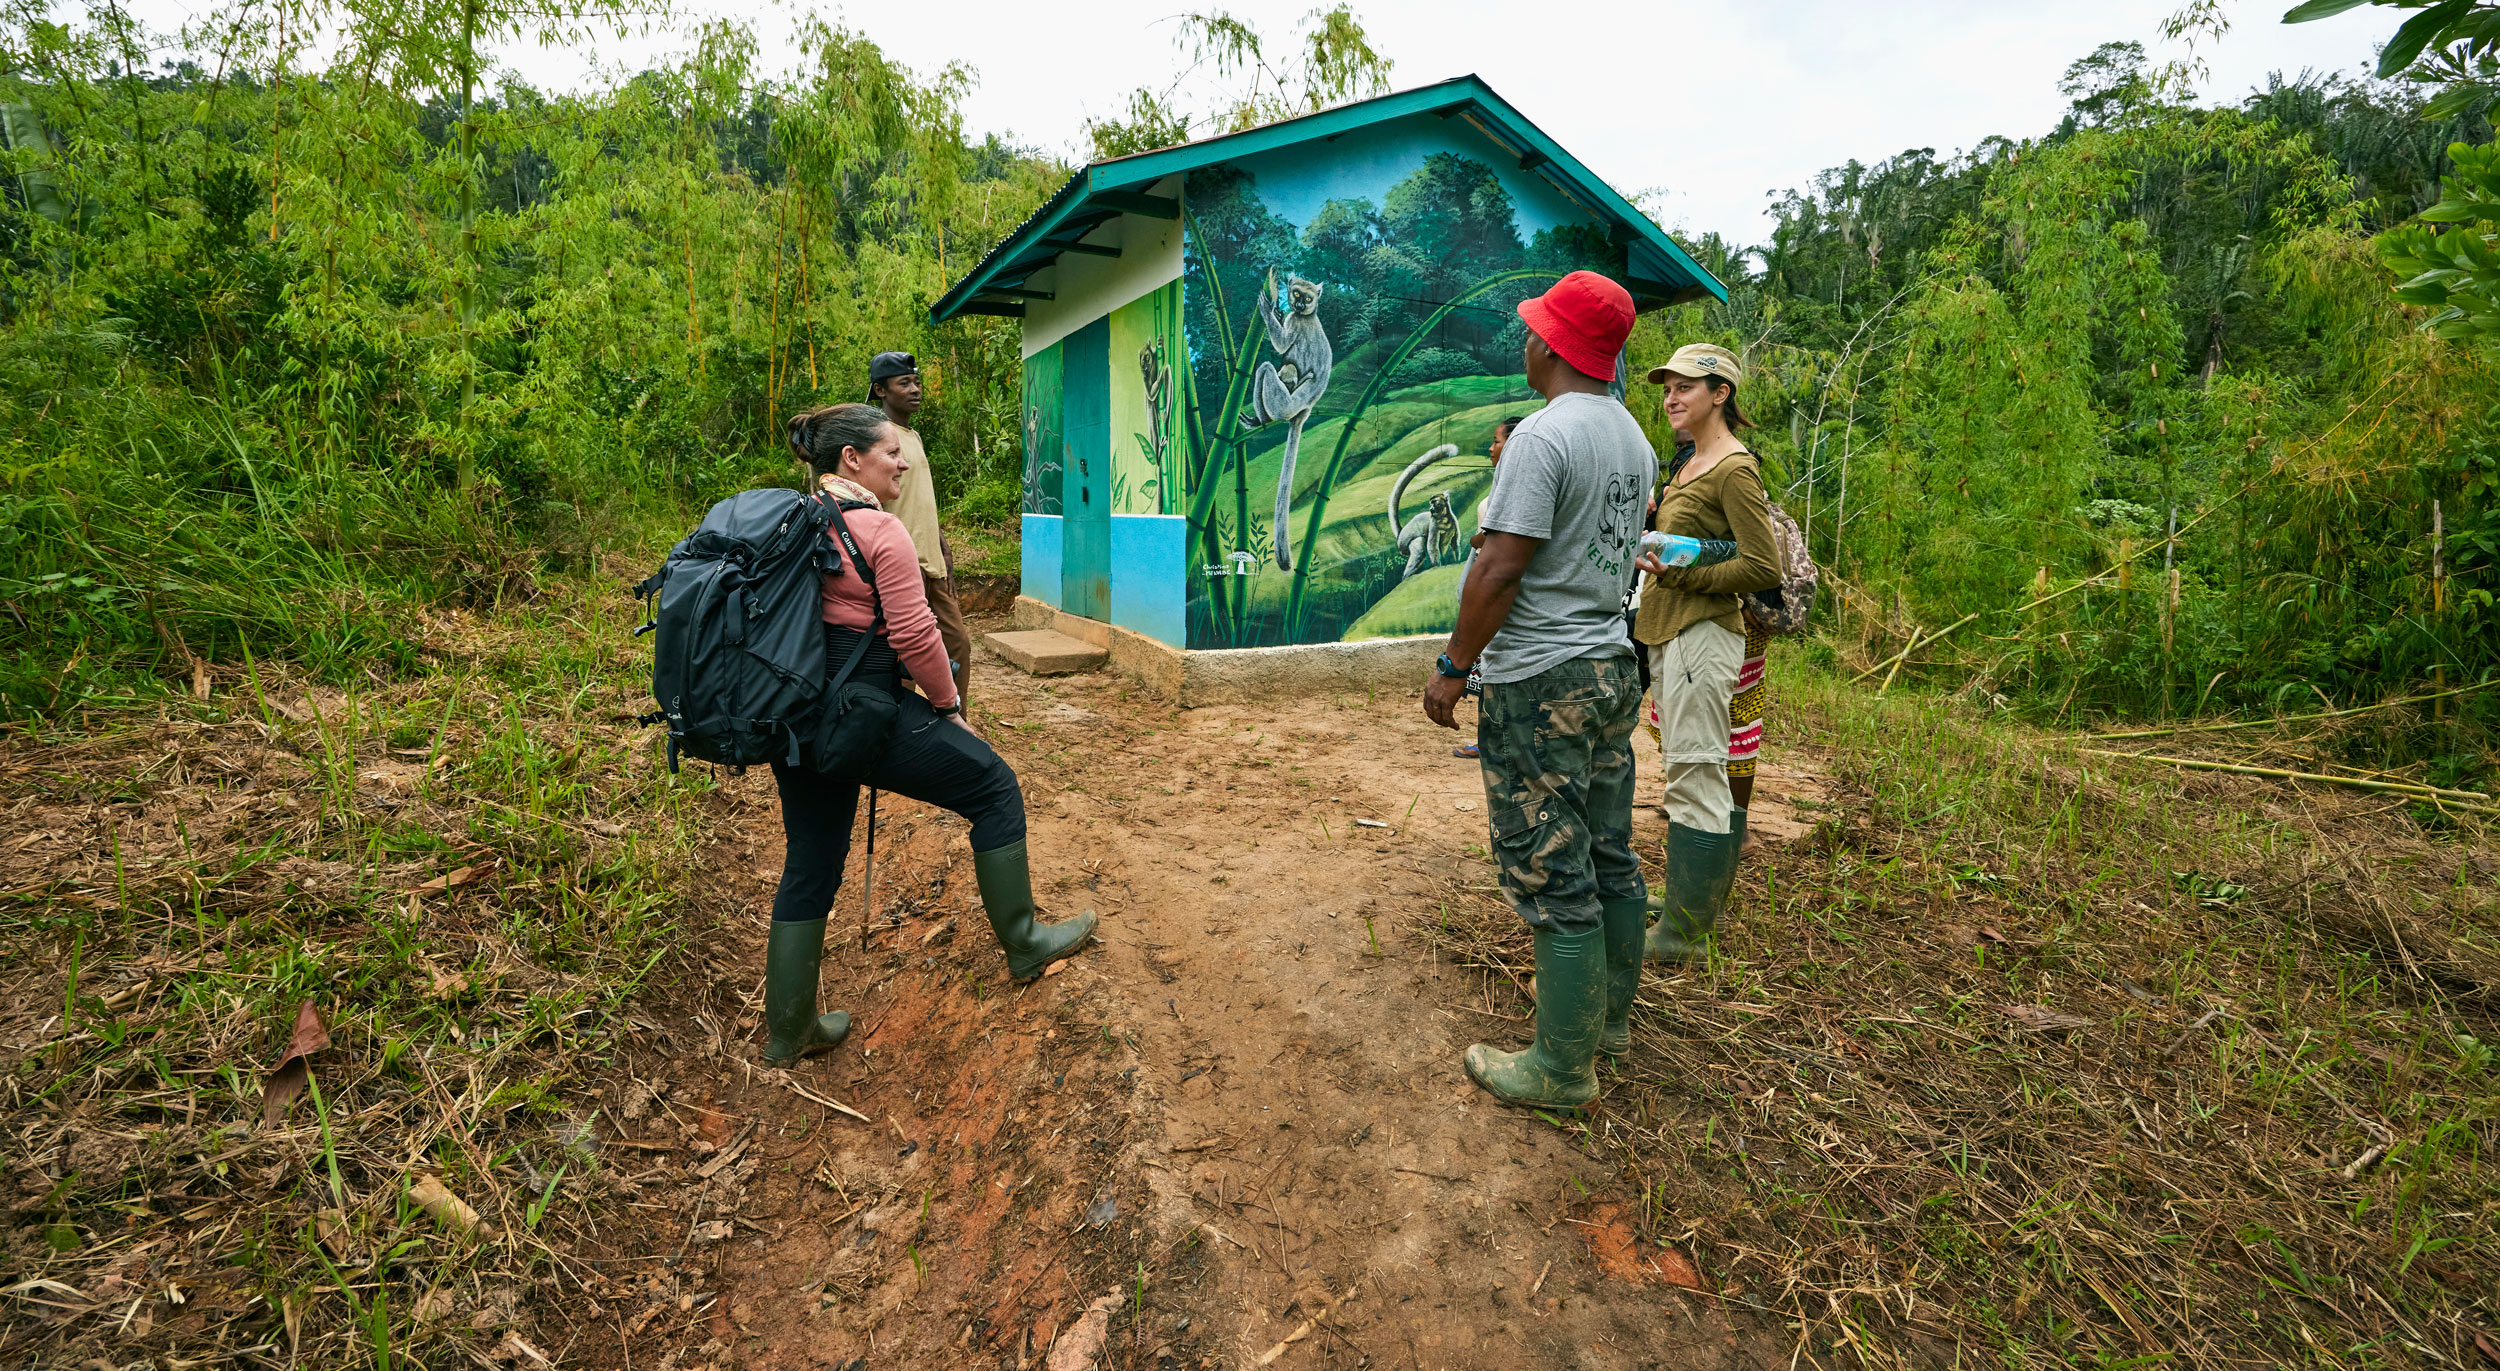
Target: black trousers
[[932, 759]]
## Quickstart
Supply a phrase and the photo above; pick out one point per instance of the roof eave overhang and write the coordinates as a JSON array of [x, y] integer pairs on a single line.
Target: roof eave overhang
[[1661, 272]]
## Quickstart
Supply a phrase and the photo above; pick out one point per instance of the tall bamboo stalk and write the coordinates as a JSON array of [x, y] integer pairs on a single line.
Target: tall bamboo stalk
[[772, 326], [2169, 606], [277, 106], [468, 236], [2439, 602], [694, 328]]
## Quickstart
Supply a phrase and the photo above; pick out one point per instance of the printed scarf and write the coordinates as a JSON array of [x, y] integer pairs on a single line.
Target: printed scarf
[[846, 489]]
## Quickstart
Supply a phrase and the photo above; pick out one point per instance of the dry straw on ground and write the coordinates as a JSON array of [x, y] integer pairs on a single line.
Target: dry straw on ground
[[2055, 1060]]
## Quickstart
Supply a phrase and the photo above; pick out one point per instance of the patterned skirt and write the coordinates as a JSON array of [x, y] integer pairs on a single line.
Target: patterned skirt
[[1745, 708]]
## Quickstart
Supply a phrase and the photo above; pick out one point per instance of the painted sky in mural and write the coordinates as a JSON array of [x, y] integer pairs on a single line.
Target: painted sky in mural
[[1352, 340]]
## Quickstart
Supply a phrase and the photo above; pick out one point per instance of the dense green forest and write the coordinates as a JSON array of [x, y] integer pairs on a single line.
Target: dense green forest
[[302, 336], [2004, 377], [290, 353]]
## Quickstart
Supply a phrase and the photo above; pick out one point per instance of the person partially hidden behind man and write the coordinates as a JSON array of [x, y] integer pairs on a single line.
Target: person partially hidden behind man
[[894, 386], [1543, 605]]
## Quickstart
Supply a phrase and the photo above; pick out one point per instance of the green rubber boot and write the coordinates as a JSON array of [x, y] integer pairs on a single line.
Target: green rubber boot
[[1007, 894], [1623, 925], [792, 953], [1736, 836], [1559, 1070], [1701, 867]]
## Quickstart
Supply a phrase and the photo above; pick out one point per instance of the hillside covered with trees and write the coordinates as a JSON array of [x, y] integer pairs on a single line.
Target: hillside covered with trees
[[316, 321]]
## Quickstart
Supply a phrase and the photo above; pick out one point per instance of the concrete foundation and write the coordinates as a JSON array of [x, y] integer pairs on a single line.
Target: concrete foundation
[[1231, 675]]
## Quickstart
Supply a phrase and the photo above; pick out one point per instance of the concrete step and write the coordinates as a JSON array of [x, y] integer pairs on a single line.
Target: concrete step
[[1047, 652]]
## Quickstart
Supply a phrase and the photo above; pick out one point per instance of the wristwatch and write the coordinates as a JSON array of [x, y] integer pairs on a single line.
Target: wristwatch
[[955, 708], [1451, 669]]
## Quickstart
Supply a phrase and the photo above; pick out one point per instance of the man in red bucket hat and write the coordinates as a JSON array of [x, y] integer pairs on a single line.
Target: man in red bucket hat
[[1543, 607]]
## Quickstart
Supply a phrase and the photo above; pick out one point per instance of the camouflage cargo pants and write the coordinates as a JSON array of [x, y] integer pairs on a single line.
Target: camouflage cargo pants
[[1557, 755]]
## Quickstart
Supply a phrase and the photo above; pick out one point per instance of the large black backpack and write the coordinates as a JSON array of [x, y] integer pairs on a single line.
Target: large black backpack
[[738, 666]]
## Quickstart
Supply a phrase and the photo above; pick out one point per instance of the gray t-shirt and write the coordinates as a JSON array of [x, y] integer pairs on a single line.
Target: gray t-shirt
[[1577, 474]]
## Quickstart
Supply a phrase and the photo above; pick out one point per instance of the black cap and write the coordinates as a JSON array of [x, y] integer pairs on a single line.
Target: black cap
[[885, 366]]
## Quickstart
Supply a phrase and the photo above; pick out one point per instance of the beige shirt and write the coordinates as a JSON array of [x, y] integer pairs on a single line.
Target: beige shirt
[[917, 507]]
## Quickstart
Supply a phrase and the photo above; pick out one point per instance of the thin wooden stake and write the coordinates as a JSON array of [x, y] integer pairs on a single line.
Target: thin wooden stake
[[2169, 607], [868, 882], [2289, 718], [2425, 792], [2439, 603]]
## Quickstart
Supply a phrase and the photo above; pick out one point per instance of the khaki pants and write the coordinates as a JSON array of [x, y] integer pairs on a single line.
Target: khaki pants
[[951, 629], [1693, 676]]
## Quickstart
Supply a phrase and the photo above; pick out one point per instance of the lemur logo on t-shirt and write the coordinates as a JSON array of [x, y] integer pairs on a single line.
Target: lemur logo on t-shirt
[[1610, 548]]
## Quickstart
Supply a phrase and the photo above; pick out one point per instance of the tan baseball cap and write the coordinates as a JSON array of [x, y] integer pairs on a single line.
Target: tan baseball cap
[[1698, 360]]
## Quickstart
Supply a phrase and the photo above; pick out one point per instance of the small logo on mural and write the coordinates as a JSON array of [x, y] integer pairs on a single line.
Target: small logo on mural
[[1239, 564]]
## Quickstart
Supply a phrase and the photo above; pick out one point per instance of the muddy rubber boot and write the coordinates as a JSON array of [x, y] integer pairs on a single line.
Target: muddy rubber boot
[[795, 948], [1559, 1070], [1701, 867], [1007, 895], [1623, 927], [1736, 844]]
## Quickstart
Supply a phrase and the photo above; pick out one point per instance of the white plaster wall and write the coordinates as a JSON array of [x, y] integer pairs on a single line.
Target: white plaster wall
[[1087, 288]]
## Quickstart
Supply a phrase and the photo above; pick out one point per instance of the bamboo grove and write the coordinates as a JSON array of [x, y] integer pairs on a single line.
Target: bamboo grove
[[2126, 418], [284, 361], [310, 318]]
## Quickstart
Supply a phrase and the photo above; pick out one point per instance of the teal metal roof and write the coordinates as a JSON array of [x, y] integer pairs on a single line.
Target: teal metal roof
[[1661, 271]]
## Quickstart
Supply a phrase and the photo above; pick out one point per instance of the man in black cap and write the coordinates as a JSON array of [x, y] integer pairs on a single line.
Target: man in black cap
[[894, 383]]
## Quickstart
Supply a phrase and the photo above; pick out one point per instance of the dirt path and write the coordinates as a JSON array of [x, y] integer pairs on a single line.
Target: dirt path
[[1239, 1125]]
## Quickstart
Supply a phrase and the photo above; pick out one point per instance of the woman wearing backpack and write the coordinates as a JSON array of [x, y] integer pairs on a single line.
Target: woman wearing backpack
[[1693, 628], [931, 753]]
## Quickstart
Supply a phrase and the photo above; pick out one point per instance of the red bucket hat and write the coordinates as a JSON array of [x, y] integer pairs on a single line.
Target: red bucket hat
[[1585, 318]]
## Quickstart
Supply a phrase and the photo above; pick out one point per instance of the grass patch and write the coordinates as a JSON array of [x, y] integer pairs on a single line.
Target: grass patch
[[986, 551], [469, 872], [2259, 1139]]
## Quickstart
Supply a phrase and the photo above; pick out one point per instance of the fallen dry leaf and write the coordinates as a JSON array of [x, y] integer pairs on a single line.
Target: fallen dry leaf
[[2038, 1019], [435, 1304], [515, 1349], [447, 881], [287, 1080], [1074, 1350], [448, 1209], [449, 985], [1677, 1269], [2488, 1346], [330, 1225]]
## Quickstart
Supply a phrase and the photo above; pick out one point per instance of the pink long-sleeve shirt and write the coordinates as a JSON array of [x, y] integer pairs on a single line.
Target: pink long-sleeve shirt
[[909, 622]]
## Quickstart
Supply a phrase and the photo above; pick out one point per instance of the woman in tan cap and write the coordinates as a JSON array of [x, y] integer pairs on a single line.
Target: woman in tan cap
[[1693, 628]]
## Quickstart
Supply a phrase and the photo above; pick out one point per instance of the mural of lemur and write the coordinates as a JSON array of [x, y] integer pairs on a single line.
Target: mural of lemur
[[1288, 387], [1433, 533], [1157, 375], [1430, 536]]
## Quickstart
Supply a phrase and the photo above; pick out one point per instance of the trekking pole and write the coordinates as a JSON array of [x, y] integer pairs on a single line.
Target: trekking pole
[[868, 892]]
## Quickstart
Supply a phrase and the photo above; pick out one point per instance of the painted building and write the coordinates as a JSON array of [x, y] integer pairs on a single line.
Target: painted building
[[1261, 371]]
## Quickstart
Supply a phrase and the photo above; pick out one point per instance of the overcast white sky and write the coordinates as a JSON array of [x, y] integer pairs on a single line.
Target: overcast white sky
[[1711, 104]]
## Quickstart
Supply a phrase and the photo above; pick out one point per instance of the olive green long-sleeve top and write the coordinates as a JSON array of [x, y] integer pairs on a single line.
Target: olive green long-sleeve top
[[1724, 502]]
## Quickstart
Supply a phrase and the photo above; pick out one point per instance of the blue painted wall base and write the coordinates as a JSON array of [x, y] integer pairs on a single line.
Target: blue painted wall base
[[1041, 557], [1150, 578]]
